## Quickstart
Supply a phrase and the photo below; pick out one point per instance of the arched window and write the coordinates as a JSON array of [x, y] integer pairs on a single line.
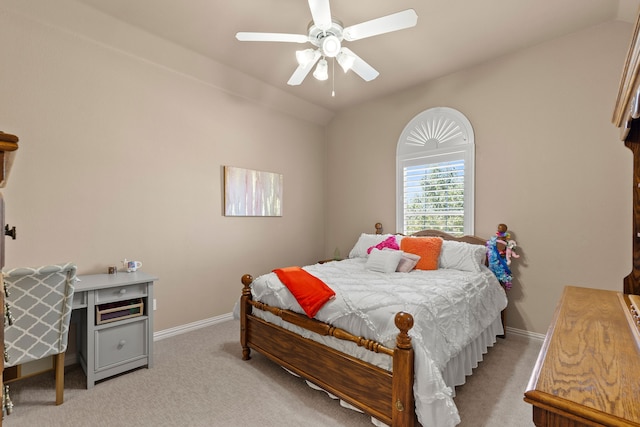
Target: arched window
[[435, 161]]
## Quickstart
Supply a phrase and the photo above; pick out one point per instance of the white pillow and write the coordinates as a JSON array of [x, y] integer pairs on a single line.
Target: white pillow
[[384, 261], [365, 241], [462, 256], [407, 262]]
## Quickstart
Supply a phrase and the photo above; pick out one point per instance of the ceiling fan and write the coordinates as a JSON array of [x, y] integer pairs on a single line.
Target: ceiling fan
[[327, 35]]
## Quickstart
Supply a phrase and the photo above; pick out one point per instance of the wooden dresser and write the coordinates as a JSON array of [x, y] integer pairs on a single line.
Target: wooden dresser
[[587, 370]]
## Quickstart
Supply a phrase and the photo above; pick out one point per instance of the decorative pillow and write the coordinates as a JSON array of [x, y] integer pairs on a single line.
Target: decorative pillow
[[365, 241], [407, 262], [384, 261], [310, 292], [427, 248], [388, 243], [462, 256]]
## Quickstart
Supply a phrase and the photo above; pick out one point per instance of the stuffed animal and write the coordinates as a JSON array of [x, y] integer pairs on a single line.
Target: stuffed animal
[[510, 252]]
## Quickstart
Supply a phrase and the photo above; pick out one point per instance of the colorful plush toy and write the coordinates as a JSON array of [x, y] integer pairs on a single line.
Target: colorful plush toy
[[500, 251], [510, 252]]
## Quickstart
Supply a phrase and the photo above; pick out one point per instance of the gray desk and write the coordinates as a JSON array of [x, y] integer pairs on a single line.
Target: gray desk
[[108, 349]]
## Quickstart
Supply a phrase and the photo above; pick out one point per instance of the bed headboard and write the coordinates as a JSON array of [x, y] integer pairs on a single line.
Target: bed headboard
[[475, 240]]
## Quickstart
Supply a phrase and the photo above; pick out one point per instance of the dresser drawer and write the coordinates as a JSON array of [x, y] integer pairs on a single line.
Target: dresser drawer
[[121, 343], [119, 293]]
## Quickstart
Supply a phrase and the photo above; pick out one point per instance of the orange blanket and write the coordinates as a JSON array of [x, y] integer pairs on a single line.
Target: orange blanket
[[310, 292]]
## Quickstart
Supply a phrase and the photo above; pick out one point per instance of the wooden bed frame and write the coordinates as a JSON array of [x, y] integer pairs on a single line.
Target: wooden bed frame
[[387, 396]]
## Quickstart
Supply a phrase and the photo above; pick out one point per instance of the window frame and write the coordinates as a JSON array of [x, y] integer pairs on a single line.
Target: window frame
[[437, 133]]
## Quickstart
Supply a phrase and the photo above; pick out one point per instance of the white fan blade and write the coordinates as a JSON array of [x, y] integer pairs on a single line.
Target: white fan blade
[[301, 72], [386, 24], [272, 37], [321, 13], [360, 67]]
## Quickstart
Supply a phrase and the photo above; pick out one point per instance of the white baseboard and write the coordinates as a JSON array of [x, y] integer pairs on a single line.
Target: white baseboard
[[166, 333], [527, 334], [70, 359]]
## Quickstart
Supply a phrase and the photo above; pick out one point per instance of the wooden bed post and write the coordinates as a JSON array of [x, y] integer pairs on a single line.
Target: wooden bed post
[[245, 310], [403, 407]]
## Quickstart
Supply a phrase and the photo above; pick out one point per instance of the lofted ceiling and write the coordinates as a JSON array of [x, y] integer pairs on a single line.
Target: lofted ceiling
[[450, 35]]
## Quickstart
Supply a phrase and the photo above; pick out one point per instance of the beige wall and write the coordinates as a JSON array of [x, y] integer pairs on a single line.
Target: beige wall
[[123, 136], [121, 155], [548, 163]]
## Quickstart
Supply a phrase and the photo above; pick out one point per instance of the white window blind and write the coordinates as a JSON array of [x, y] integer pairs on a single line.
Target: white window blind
[[434, 197]]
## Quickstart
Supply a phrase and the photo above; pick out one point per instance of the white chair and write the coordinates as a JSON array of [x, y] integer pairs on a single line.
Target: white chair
[[40, 302]]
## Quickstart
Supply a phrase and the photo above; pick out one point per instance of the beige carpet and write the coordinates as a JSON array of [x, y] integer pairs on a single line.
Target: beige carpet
[[199, 379]]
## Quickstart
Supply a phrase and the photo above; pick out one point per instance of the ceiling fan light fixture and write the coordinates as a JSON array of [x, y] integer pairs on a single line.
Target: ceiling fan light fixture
[[322, 70], [346, 61], [326, 34], [331, 46], [304, 57]]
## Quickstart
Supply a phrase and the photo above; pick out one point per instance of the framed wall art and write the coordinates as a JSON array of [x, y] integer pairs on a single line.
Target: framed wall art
[[250, 192]]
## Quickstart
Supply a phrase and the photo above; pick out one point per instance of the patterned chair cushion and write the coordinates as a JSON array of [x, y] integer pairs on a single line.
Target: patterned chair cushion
[[40, 300]]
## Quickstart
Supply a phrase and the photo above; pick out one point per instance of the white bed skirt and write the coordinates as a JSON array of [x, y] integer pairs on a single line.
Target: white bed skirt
[[462, 365], [457, 369]]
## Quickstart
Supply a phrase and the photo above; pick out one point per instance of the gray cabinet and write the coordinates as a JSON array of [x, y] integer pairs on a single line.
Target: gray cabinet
[[115, 327]]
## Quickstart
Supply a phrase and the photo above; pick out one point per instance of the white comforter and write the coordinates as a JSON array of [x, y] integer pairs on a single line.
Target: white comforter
[[451, 308]]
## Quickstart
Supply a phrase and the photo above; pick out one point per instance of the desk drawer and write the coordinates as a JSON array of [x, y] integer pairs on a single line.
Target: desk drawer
[[121, 343], [119, 293]]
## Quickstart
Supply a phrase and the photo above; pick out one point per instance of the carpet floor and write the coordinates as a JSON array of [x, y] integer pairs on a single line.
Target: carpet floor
[[198, 379]]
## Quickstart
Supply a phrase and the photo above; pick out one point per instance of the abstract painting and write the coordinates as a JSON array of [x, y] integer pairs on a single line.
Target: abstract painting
[[250, 192]]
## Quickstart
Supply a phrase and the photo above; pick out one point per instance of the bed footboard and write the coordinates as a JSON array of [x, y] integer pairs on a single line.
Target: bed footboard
[[387, 396]]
